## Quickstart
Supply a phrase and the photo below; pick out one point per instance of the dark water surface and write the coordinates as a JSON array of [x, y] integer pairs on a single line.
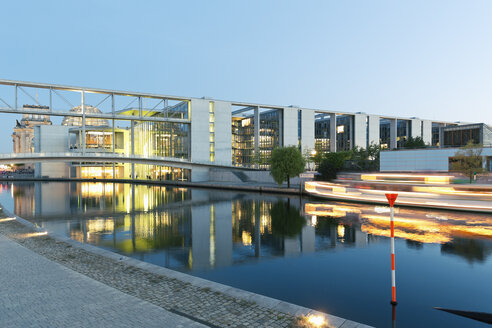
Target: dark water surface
[[328, 256]]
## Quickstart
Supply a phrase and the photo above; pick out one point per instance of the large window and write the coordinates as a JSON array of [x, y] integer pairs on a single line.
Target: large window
[[322, 133], [344, 132], [243, 141], [457, 137], [384, 133]]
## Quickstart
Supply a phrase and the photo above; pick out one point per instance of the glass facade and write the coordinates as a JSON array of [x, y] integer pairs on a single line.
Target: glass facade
[[402, 132], [344, 132], [322, 134], [243, 142], [384, 133], [435, 134], [163, 139], [243, 139], [269, 136], [459, 137]]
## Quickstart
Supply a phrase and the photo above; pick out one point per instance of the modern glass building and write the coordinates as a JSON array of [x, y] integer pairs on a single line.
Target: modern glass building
[[160, 137]]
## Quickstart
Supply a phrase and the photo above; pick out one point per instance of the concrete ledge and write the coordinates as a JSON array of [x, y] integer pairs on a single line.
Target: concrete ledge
[[208, 185], [264, 301]]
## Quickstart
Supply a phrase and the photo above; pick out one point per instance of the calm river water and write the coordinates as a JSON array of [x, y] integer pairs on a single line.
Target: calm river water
[[328, 256]]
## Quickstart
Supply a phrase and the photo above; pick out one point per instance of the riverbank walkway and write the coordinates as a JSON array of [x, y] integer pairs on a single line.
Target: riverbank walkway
[[53, 281], [37, 292]]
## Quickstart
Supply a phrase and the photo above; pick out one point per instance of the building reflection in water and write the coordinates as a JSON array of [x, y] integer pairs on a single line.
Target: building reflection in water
[[194, 229]]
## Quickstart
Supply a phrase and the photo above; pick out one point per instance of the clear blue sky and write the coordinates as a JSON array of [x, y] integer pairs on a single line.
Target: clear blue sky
[[430, 59]]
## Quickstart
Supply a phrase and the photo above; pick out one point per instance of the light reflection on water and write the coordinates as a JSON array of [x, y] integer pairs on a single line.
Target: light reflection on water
[[245, 239]]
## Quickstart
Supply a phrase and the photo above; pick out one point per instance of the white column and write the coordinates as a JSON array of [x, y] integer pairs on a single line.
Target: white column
[[307, 129], [290, 126], [223, 133], [83, 122], [427, 132], [374, 129], [415, 128], [393, 133], [360, 130], [333, 132], [200, 136], [132, 136], [256, 120]]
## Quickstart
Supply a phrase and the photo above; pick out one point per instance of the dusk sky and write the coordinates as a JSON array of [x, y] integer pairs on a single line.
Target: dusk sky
[[428, 59]]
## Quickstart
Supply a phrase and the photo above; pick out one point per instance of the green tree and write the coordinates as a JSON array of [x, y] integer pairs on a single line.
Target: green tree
[[286, 163], [468, 160], [309, 157], [414, 143], [331, 164], [365, 159], [287, 221]]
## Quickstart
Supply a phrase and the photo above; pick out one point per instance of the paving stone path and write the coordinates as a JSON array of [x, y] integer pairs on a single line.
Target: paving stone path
[[37, 292], [111, 281], [57, 282]]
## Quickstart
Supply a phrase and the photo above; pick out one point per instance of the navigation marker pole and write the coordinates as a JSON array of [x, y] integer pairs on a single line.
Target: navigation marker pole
[[391, 200]]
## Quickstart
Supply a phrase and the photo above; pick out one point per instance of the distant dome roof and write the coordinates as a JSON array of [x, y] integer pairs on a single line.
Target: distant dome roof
[[89, 121]]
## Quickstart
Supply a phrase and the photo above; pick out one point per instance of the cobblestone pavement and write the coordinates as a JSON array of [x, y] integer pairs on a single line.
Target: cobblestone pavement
[[203, 305], [37, 292]]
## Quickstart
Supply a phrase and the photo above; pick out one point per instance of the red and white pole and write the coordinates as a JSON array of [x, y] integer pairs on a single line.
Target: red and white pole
[[391, 200]]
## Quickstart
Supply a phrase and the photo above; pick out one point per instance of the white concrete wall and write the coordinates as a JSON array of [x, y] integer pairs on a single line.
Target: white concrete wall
[[50, 139], [420, 159], [223, 133], [374, 129], [220, 175], [393, 134], [416, 130], [427, 131], [360, 135], [290, 131], [307, 129], [200, 134]]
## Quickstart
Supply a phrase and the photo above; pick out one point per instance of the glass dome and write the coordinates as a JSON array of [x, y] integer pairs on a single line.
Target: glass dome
[[89, 121]]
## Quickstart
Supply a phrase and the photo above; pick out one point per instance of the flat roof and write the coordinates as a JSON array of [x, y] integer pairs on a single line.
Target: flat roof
[[179, 98]]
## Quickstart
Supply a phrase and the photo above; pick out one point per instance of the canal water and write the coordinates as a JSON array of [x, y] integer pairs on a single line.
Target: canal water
[[329, 256]]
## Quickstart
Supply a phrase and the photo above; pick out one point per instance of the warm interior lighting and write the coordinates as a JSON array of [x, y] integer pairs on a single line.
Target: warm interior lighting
[[100, 172], [7, 219]]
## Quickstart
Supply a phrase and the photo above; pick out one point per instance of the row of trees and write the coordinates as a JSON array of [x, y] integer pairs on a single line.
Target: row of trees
[[288, 162]]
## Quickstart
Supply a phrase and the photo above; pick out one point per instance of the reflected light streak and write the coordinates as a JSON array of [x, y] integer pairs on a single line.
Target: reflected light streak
[[314, 220], [33, 234], [246, 238], [7, 219], [430, 228]]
